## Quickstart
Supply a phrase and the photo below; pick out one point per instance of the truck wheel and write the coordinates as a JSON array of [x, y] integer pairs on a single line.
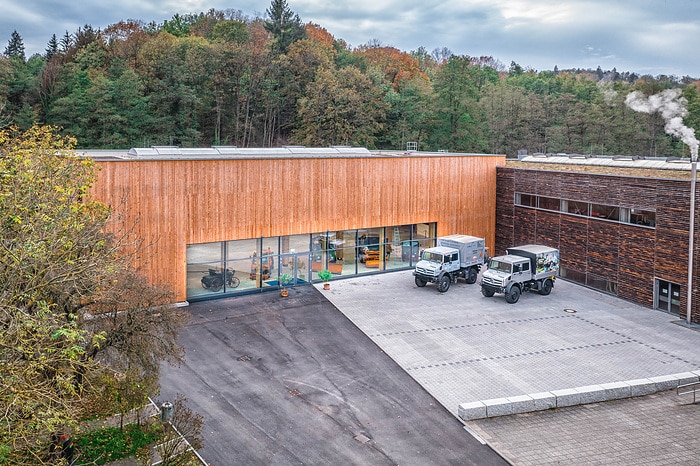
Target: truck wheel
[[546, 287], [420, 283], [513, 295], [471, 276], [443, 283], [486, 291]]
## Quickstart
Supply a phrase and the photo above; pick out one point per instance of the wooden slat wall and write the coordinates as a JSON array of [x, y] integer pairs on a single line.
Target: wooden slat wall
[[180, 202], [632, 256]]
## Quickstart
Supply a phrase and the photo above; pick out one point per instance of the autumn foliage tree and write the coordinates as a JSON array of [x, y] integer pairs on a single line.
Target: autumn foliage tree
[[218, 77], [72, 309]]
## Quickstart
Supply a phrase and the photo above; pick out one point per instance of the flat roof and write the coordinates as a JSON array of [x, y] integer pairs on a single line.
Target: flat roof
[[231, 152], [616, 165]]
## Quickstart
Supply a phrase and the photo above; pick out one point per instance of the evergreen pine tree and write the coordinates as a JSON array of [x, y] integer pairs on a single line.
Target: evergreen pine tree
[[284, 24], [15, 47], [66, 42], [51, 47]]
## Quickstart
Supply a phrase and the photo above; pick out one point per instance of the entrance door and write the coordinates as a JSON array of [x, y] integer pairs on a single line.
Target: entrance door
[[668, 297], [295, 265]]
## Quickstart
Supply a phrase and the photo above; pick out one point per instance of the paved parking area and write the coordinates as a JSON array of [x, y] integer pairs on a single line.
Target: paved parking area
[[463, 347], [283, 381]]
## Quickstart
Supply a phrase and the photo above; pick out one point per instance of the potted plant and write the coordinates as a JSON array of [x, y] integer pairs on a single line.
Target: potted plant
[[325, 275], [285, 279]]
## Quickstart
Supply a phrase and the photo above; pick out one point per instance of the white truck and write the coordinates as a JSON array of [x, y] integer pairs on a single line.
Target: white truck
[[523, 268], [455, 256]]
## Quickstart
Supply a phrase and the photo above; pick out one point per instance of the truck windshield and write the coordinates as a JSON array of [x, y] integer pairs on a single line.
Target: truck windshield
[[431, 256], [500, 266]]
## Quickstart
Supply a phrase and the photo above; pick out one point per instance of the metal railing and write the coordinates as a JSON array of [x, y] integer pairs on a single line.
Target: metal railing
[[692, 387]]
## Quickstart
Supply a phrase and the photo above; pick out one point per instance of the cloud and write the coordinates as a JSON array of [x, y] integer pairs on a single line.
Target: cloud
[[645, 36]]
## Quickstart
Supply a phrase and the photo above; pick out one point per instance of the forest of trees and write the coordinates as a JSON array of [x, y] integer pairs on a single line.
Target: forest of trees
[[220, 78]]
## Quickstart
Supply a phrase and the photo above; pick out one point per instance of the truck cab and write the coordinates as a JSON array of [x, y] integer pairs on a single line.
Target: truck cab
[[503, 270], [438, 259], [436, 265]]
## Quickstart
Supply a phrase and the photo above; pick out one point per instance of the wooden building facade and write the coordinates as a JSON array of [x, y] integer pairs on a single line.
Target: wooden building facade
[[623, 230], [208, 209]]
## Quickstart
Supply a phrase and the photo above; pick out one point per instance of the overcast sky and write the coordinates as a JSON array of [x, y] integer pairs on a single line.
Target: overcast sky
[[642, 36]]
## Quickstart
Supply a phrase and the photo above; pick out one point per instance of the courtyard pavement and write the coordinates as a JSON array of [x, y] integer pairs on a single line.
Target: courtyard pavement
[[462, 347], [281, 381]]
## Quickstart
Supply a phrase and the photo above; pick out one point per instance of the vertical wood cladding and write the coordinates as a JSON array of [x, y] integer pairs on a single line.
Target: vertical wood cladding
[[631, 256], [173, 203]]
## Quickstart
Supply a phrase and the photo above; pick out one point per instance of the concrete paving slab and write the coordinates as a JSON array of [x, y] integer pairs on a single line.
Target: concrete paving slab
[[567, 397], [465, 349], [591, 394], [544, 400], [616, 390], [522, 404], [498, 407]]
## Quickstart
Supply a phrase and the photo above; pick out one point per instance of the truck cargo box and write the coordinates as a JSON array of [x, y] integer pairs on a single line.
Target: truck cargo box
[[472, 250], [544, 261]]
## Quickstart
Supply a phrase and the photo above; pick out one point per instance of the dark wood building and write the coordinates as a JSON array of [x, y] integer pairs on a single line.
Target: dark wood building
[[622, 226]]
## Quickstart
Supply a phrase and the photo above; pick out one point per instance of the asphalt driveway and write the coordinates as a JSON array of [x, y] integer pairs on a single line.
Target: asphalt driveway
[[293, 381]]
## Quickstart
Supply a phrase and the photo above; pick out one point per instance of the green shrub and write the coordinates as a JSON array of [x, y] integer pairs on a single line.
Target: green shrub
[[325, 275], [111, 443]]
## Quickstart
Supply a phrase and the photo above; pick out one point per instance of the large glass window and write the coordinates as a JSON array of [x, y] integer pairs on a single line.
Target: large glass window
[[345, 257], [605, 212], [549, 203], [575, 207], [237, 266], [402, 250], [641, 217], [525, 200], [241, 256], [370, 250]]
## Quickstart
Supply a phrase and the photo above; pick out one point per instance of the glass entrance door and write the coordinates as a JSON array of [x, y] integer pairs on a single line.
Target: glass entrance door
[[668, 297], [295, 265]]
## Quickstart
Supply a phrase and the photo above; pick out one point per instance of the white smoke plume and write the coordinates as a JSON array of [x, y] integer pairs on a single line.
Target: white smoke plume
[[671, 106]]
